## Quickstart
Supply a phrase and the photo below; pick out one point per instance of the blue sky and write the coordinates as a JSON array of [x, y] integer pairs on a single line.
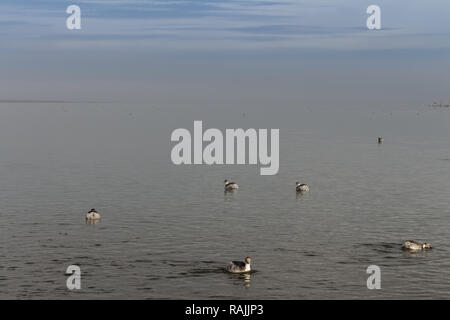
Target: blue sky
[[140, 43]]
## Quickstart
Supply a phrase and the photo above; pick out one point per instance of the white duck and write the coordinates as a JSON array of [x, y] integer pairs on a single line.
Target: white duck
[[92, 215], [415, 246]]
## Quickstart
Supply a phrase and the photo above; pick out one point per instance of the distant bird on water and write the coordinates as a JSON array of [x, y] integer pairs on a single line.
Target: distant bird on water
[[301, 187], [380, 140], [92, 215], [230, 186], [239, 266], [412, 245]]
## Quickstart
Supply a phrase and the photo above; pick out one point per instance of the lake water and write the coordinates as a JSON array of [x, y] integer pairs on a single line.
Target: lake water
[[166, 230]]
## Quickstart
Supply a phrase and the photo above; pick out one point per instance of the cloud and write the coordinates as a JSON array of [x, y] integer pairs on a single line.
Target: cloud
[[218, 24]]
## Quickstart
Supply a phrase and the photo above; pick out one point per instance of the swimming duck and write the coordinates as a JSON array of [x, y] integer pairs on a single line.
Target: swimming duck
[[380, 140], [229, 186], [239, 266], [301, 187], [415, 246], [92, 215]]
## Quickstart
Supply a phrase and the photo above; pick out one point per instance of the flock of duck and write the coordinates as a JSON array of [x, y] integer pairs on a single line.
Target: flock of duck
[[244, 266]]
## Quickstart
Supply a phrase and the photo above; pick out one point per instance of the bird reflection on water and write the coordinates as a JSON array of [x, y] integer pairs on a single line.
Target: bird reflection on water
[[92, 221], [242, 278]]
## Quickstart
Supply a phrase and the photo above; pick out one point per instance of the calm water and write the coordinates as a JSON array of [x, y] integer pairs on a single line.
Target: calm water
[[166, 231]]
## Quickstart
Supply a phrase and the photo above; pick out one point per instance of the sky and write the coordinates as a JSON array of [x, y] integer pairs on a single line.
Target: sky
[[226, 51]]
